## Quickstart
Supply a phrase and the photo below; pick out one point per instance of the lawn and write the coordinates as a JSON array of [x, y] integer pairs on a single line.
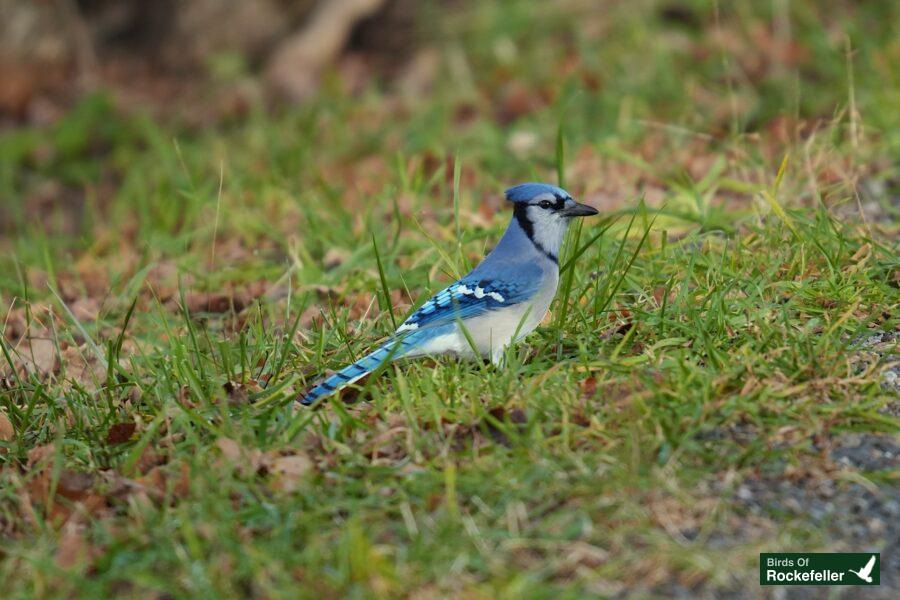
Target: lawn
[[718, 375]]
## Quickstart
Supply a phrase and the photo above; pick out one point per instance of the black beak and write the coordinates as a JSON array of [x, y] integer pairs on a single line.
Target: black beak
[[579, 210]]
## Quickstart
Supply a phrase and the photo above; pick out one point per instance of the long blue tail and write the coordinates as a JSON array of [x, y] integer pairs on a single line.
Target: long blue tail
[[394, 348]]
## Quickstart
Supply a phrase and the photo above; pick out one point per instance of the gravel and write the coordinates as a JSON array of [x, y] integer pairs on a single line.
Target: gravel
[[854, 516]]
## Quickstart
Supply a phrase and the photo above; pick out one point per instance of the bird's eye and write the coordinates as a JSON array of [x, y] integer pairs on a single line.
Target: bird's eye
[[545, 204]]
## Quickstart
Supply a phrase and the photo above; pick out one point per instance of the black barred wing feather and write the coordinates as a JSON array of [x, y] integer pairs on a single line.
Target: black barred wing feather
[[467, 298]]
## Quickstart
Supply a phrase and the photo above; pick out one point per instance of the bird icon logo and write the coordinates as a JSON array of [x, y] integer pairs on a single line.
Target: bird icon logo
[[866, 572]]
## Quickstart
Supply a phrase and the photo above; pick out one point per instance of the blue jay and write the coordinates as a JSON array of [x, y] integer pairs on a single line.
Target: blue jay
[[498, 303]]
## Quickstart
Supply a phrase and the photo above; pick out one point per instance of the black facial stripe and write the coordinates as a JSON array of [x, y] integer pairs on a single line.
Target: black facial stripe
[[557, 204], [520, 211]]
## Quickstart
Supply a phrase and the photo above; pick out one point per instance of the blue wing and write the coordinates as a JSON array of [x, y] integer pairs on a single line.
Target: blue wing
[[469, 297]]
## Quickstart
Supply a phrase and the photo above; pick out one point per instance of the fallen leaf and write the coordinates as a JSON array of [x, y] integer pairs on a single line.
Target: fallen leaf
[[580, 419], [222, 302], [311, 316], [229, 448], [334, 258], [247, 460], [148, 459], [74, 485], [83, 367], [39, 454], [86, 309], [237, 393], [7, 431], [433, 501], [288, 471], [40, 356], [518, 416], [155, 483], [588, 386], [183, 483], [73, 549], [184, 397], [212, 303], [119, 433], [73, 495]]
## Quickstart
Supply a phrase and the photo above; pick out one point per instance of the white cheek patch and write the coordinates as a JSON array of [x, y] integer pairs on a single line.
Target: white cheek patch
[[549, 229]]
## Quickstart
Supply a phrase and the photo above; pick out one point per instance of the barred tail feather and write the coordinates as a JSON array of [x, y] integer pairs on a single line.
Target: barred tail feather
[[352, 373]]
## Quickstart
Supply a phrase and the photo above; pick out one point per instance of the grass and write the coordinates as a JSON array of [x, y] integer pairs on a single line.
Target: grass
[[168, 291]]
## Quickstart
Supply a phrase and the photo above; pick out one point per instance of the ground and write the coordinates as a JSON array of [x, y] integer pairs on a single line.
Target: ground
[[717, 376]]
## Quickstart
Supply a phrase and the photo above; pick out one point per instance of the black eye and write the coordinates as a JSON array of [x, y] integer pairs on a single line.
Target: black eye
[[545, 204]]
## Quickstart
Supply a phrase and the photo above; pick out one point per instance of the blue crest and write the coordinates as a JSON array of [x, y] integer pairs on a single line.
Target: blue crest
[[525, 192]]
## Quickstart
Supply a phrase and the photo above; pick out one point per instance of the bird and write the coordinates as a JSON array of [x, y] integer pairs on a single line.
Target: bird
[[866, 572], [496, 304]]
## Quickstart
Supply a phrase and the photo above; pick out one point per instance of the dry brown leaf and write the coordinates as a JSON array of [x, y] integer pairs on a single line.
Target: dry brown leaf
[[229, 448], [156, 482], [311, 316], [74, 485], [236, 393], [223, 302], [153, 483], [14, 325], [288, 471], [86, 309], [39, 356], [148, 459], [73, 489], [7, 431], [73, 549], [39, 454], [212, 303], [183, 483], [588, 386], [247, 460], [83, 367], [119, 433], [184, 397], [334, 258]]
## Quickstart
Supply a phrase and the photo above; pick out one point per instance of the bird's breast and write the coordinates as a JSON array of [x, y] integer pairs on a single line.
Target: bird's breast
[[502, 326]]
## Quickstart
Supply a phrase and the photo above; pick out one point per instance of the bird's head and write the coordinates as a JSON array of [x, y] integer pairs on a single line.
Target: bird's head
[[544, 212]]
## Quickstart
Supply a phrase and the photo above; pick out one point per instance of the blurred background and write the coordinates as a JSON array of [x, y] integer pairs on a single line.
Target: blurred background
[[738, 63], [335, 90], [153, 53]]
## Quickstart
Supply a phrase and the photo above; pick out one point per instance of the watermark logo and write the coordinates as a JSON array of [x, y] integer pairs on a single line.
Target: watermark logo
[[820, 568]]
